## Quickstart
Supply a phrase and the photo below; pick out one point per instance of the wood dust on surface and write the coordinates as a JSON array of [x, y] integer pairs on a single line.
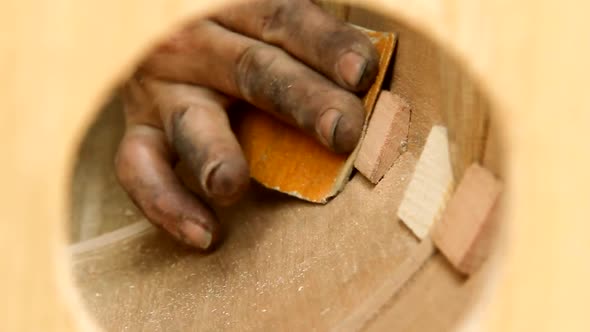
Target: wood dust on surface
[[283, 259]]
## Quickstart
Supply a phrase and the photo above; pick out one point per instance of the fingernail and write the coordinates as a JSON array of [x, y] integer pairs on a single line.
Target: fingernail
[[346, 133], [351, 67], [327, 126], [196, 235], [220, 181]]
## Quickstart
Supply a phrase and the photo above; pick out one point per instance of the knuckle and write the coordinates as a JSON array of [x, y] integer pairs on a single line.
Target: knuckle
[[177, 121], [252, 69], [180, 140], [193, 150]]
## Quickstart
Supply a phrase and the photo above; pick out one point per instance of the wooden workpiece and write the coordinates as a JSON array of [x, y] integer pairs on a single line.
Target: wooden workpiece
[[463, 232], [285, 159], [429, 189], [386, 136], [283, 260], [353, 236]]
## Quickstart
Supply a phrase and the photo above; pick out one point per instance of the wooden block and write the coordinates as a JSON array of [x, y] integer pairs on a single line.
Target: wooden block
[[285, 159], [387, 132], [463, 231], [430, 186]]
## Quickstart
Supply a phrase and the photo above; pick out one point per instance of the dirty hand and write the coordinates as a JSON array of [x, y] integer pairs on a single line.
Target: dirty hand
[[287, 58]]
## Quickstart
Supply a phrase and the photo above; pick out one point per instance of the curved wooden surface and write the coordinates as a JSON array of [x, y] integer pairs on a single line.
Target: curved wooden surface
[[59, 60]]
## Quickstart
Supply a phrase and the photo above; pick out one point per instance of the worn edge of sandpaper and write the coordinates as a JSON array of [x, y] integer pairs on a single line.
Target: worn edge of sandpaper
[[348, 166]]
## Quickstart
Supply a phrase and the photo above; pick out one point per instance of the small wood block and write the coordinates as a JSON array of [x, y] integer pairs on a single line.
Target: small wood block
[[462, 232], [386, 133], [432, 181], [283, 158]]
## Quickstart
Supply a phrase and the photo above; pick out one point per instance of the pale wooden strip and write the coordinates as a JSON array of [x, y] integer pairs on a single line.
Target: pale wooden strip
[[429, 188], [104, 240]]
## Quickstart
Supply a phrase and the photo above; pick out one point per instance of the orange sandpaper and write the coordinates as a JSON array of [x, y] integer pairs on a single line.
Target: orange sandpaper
[[284, 158]]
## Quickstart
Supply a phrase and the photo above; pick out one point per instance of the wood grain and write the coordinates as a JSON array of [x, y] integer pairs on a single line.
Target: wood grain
[[462, 233], [386, 136], [285, 159], [431, 185]]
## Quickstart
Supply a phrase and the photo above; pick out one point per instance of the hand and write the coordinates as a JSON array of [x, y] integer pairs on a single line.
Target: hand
[[286, 57]]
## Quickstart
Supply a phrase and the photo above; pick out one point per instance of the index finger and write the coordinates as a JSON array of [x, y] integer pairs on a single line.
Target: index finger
[[330, 46]]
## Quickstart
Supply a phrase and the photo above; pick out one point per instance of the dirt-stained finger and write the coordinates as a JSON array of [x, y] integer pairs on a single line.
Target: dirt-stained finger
[[198, 128], [327, 44], [143, 169]]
